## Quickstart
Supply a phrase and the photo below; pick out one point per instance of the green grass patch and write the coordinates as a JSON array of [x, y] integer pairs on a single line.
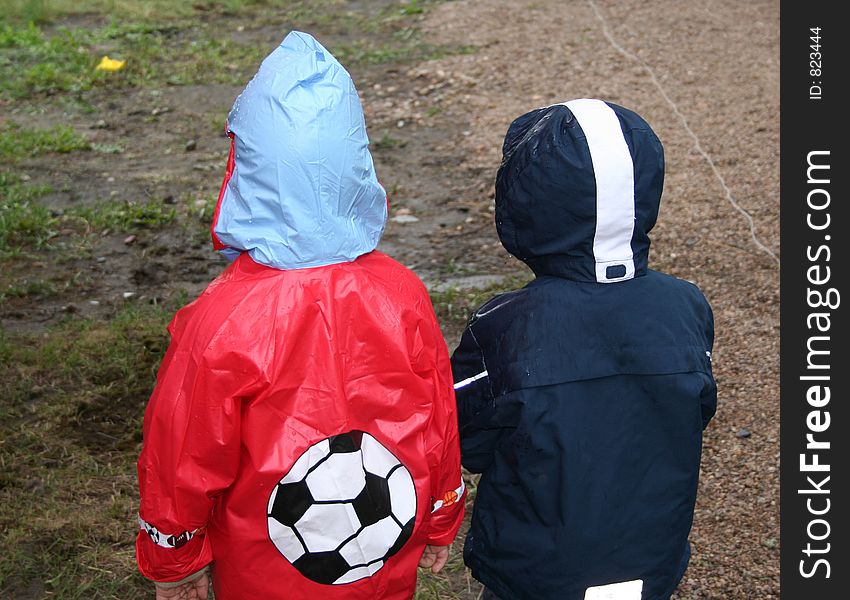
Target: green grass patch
[[216, 120], [18, 285], [28, 288], [388, 142], [199, 216], [455, 306], [70, 421], [126, 216], [193, 60], [411, 7], [33, 62], [18, 142], [46, 11], [24, 223], [168, 46], [201, 210]]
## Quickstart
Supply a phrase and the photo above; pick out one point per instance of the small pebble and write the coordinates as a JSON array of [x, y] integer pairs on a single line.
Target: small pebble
[[743, 433], [404, 219]]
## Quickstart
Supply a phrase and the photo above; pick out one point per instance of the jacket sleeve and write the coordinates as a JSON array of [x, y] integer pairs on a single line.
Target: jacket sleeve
[[191, 446], [708, 397], [448, 491], [476, 405]]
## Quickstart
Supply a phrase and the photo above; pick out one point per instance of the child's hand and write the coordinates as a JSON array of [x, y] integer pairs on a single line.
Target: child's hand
[[434, 557], [193, 590]]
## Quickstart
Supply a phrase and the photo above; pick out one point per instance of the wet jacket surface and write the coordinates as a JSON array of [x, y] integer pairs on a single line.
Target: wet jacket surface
[[302, 435], [582, 397]]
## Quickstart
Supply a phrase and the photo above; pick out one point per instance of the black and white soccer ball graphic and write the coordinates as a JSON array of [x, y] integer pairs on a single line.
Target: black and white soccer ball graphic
[[344, 508]]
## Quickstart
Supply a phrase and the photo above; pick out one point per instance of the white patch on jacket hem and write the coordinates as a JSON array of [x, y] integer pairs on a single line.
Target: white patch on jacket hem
[[626, 590]]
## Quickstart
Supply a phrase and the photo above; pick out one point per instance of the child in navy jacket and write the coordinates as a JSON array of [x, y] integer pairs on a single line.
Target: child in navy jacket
[[582, 397]]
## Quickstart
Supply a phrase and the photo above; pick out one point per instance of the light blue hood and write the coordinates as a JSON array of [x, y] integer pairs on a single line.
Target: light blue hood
[[303, 191]]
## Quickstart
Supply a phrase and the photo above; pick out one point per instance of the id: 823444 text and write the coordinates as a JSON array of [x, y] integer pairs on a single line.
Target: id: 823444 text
[[815, 64]]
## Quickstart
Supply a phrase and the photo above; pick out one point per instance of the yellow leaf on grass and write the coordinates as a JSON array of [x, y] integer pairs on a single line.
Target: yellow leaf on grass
[[110, 64]]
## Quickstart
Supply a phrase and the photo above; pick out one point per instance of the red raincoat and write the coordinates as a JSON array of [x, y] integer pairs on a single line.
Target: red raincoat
[[302, 436], [262, 366]]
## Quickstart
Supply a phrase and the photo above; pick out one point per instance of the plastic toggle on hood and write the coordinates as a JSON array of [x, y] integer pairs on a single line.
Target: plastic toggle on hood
[[578, 191], [300, 189]]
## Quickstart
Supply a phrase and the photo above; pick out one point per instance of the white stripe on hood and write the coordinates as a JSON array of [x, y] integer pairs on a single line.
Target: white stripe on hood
[[615, 189]]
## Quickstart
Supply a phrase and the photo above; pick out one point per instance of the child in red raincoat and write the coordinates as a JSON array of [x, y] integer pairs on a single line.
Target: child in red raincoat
[[302, 436]]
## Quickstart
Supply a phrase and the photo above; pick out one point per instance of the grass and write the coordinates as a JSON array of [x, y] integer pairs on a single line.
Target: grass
[[46, 11], [33, 62], [24, 223], [388, 142], [26, 287], [29, 288], [17, 141], [164, 45], [126, 217], [455, 306], [70, 423], [411, 7]]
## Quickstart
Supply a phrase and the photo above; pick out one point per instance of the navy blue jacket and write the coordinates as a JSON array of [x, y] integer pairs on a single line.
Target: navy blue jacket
[[582, 397]]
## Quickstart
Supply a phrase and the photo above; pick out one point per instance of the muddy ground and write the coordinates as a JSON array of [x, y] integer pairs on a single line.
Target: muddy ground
[[705, 75]]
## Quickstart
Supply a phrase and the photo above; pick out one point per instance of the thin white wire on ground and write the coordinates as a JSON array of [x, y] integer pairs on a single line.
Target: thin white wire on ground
[[631, 56]]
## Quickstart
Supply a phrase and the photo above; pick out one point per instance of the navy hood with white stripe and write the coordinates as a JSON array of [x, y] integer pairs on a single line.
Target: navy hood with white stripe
[[578, 191]]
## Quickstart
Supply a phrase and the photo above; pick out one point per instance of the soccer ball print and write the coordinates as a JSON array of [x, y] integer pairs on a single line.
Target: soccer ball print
[[344, 508]]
